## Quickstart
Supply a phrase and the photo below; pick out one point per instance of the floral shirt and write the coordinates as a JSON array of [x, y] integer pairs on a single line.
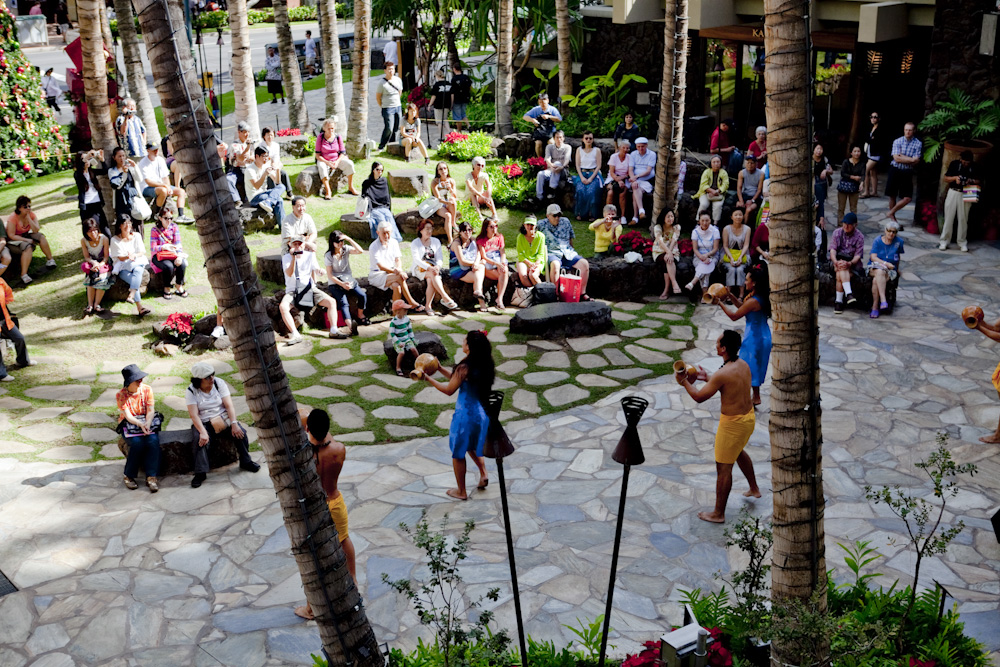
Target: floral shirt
[[137, 404], [558, 236]]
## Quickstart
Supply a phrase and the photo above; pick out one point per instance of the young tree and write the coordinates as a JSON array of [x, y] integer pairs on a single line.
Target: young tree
[[564, 53], [298, 114], [357, 121], [95, 87], [505, 58], [343, 626], [335, 108], [136, 76], [243, 79], [799, 567]]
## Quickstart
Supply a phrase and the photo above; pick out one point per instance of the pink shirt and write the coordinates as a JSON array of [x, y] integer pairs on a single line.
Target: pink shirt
[[329, 150], [619, 166]]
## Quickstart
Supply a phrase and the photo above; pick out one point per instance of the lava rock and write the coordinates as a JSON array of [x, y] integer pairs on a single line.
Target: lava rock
[[356, 228], [427, 342], [308, 182], [177, 453], [557, 320], [407, 222], [254, 219], [408, 182]]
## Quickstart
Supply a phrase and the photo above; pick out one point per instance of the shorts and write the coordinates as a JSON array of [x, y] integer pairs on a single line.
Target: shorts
[[378, 279], [732, 436], [338, 512], [996, 378], [645, 186], [563, 262], [345, 166], [27, 245], [403, 345], [318, 295], [899, 184], [274, 87], [457, 272], [310, 61], [149, 192], [458, 111]]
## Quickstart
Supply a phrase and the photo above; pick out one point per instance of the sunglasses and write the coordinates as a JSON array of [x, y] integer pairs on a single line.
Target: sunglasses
[[874, 117]]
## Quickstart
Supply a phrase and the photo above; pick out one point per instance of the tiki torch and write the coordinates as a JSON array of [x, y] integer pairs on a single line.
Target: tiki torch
[[498, 445], [628, 453]]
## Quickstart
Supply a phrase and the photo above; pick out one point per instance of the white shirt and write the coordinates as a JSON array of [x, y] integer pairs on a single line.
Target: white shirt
[[385, 255], [153, 169], [305, 264], [390, 52], [588, 160], [120, 248], [639, 164], [619, 166], [391, 90], [52, 88], [421, 254], [251, 173], [292, 226], [91, 196], [274, 151], [210, 404]]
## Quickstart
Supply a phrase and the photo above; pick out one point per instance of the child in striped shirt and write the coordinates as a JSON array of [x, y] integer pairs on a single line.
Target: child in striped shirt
[[401, 333]]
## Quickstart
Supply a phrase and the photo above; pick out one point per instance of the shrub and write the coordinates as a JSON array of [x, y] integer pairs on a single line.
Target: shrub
[[511, 185], [481, 113], [475, 144], [260, 16], [212, 20], [302, 13], [180, 326], [344, 10]]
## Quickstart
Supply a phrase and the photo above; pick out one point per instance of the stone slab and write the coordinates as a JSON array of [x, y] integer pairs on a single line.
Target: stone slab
[[45, 413]]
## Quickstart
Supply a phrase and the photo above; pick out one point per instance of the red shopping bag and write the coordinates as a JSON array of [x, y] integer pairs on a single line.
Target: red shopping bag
[[569, 287]]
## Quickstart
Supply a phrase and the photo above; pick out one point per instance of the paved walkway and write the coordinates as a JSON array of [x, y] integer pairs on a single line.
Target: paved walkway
[[204, 577]]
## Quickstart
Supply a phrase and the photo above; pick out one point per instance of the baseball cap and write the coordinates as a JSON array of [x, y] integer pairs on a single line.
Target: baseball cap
[[553, 209]]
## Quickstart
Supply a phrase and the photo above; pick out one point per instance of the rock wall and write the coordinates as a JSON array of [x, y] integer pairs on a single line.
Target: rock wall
[[954, 57]]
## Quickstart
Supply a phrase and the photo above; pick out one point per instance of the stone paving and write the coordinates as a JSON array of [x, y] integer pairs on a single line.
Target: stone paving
[[204, 577]]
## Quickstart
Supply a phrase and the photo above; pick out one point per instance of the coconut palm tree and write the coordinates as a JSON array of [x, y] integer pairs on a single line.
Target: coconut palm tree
[[343, 626], [664, 137], [109, 40], [95, 87], [357, 121], [298, 114], [243, 78], [136, 76], [799, 567], [564, 53], [335, 108], [680, 42], [505, 61]]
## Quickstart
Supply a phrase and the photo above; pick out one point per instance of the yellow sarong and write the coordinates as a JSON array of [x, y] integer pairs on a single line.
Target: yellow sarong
[[733, 435], [996, 378], [338, 510]]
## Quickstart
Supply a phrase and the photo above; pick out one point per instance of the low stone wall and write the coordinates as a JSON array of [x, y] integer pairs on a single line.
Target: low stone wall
[[177, 453]]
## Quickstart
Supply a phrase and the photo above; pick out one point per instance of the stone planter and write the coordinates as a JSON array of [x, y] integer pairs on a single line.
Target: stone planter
[[308, 183]]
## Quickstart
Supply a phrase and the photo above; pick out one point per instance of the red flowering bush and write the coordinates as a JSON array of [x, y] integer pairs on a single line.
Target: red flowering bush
[[289, 132], [928, 213], [180, 326], [648, 657], [455, 137], [685, 248], [418, 96], [633, 241], [512, 170], [536, 162]]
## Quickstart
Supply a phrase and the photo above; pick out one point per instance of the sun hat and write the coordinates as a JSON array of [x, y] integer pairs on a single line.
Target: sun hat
[[553, 209], [131, 373], [399, 304], [202, 370]]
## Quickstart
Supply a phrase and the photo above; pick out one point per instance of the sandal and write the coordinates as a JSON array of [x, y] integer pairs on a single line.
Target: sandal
[[182, 293], [143, 312], [450, 304], [89, 310], [874, 314], [399, 372], [419, 309], [98, 310], [363, 322], [585, 297], [326, 197], [167, 296]]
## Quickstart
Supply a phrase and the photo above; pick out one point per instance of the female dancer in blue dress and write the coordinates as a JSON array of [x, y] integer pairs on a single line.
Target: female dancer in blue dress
[[756, 307], [472, 378]]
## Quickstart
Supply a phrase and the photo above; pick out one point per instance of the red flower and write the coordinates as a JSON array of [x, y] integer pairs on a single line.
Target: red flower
[[27, 167], [9, 180], [289, 132], [455, 137], [536, 161]]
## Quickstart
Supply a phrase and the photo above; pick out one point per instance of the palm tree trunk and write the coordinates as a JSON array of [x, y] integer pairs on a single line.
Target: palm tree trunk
[[335, 107], [677, 96], [95, 88], [663, 137], [298, 113], [243, 79], [343, 626], [564, 55], [109, 40], [799, 567], [357, 121], [132, 55], [505, 62]]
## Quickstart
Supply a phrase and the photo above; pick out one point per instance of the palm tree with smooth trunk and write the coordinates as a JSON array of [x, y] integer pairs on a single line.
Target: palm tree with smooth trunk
[[330, 589], [95, 87], [243, 78], [298, 113], [564, 53], [136, 76], [677, 96], [335, 108], [357, 121], [505, 60], [664, 137], [799, 567]]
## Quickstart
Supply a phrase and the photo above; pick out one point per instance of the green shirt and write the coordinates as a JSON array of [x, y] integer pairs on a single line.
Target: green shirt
[[532, 252]]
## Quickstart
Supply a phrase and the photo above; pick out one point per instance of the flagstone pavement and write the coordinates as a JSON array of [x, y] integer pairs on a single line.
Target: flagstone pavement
[[204, 577]]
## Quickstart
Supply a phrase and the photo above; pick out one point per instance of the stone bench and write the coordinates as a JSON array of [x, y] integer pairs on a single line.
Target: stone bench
[[408, 182], [428, 342], [406, 222], [357, 229], [558, 320], [255, 219], [861, 286], [308, 182], [177, 455]]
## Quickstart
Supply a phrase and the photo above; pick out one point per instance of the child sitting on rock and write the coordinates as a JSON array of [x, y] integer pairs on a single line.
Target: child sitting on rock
[[401, 333]]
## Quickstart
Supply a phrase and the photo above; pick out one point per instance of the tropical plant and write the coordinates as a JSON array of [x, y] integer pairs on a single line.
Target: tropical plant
[[334, 103], [245, 97], [135, 73], [961, 119], [211, 20], [302, 13], [602, 91], [95, 87], [357, 118], [298, 112], [475, 144], [180, 326], [589, 635], [511, 185]]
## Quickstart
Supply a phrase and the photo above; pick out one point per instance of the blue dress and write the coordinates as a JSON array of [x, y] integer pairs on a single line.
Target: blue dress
[[756, 348], [468, 426]]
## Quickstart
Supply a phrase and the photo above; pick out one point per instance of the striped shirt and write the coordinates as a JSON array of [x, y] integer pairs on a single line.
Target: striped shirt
[[400, 331], [912, 148]]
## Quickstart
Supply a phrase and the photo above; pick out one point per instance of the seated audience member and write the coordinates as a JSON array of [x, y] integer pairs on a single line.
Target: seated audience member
[[338, 274], [241, 153], [376, 189], [136, 411], [5, 258], [128, 255], [712, 189], [736, 251], [255, 175], [847, 247], [559, 234], [299, 266], [385, 266], [493, 253], [443, 199], [588, 180], [156, 181], [268, 141], [428, 263], [167, 254], [298, 223], [722, 146], [749, 186], [167, 153], [883, 265], [401, 334], [617, 182], [409, 133], [11, 333], [210, 405], [705, 238], [24, 234], [606, 231], [627, 131], [760, 245], [479, 187], [97, 276], [125, 179], [223, 151], [87, 167], [531, 254], [666, 234], [642, 171], [557, 161], [544, 117], [331, 156], [466, 264], [758, 147]]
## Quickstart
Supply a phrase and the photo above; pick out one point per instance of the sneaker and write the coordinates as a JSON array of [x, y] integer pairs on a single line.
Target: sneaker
[[250, 466], [25, 279], [184, 219], [963, 248], [152, 484], [293, 341], [838, 308], [50, 264], [337, 333], [218, 331], [851, 299], [198, 478], [130, 483], [264, 206], [942, 246], [624, 221], [7, 378]]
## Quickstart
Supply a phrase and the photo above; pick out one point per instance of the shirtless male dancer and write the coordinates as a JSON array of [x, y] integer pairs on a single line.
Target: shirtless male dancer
[[992, 331], [330, 456], [736, 423]]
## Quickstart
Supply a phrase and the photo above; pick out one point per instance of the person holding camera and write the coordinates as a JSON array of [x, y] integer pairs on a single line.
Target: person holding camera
[[24, 233], [961, 173], [299, 266], [87, 166], [544, 117], [129, 129], [255, 176]]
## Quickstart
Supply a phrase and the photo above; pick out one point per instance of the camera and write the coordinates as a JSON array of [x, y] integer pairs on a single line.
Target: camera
[[297, 252]]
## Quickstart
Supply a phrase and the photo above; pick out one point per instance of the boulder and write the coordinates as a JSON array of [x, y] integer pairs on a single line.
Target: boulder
[[254, 219], [120, 289], [407, 222], [557, 320], [517, 145], [308, 183], [860, 285], [397, 150], [356, 228], [177, 455], [268, 268], [296, 147], [427, 342], [408, 182], [206, 324], [605, 145]]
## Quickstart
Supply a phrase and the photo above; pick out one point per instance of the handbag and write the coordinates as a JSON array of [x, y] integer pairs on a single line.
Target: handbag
[[362, 207], [848, 186], [220, 423], [165, 255], [127, 429], [140, 208], [970, 194], [428, 207], [523, 297]]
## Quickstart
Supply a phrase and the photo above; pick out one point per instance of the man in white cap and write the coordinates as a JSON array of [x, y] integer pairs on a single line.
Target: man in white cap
[[642, 171], [299, 265], [559, 235]]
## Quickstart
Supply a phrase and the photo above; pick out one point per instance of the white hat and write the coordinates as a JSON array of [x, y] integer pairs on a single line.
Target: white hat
[[553, 209], [202, 370], [641, 140]]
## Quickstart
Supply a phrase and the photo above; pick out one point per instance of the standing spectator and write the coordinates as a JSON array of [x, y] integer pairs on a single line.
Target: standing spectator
[[130, 130], [479, 187], [387, 94], [461, 87], [428, 263], [619, 166], [240, 155], [409, 133], [310, 53], [749, 185], [557, 160], [89, 198], [628, 131], [331, 156], [36, 9], [705, 238], [338, 274], [156, 182], [758, 148], [299, 266], [722, 146], [130, 262], [544, 117], [712, 190], [298, 223], [268, 141], [376, 189], [51, 89], [883, 265], [822, 170], [852, 175], [441, 102], [847, 247], [11, 333], [24, 233], [906, 152], [961, 172], [385, 266], [124, 177], [136, 410], [874, 149], [96, 265], [62, 20], [255, 177], [167, 253], [588, 180], [559, 234], [272, 74], [642, 171], [532, 254], [390, 52]]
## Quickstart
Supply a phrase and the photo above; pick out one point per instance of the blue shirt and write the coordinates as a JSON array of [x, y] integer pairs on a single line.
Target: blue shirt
[[557, 237], [132, 141], [888, 253], [538, 111], [912, 148]]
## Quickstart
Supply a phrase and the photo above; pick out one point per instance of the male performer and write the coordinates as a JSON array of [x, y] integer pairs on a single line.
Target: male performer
[[992, 331]]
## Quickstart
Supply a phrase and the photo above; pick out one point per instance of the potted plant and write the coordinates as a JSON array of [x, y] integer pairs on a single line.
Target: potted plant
[[957, 124]]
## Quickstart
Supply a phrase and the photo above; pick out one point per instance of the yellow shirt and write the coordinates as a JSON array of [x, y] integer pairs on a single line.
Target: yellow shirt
[[604, 237]]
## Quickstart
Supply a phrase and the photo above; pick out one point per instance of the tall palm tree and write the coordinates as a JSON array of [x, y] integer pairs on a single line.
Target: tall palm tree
[[799, 567], [343, 626], [298, 113], [564, 53], [95, 87], [357, 121], [677, 98], [109, 40], [664, 137], [243, 79], [505, 61], [134, 72], [335, 108]]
